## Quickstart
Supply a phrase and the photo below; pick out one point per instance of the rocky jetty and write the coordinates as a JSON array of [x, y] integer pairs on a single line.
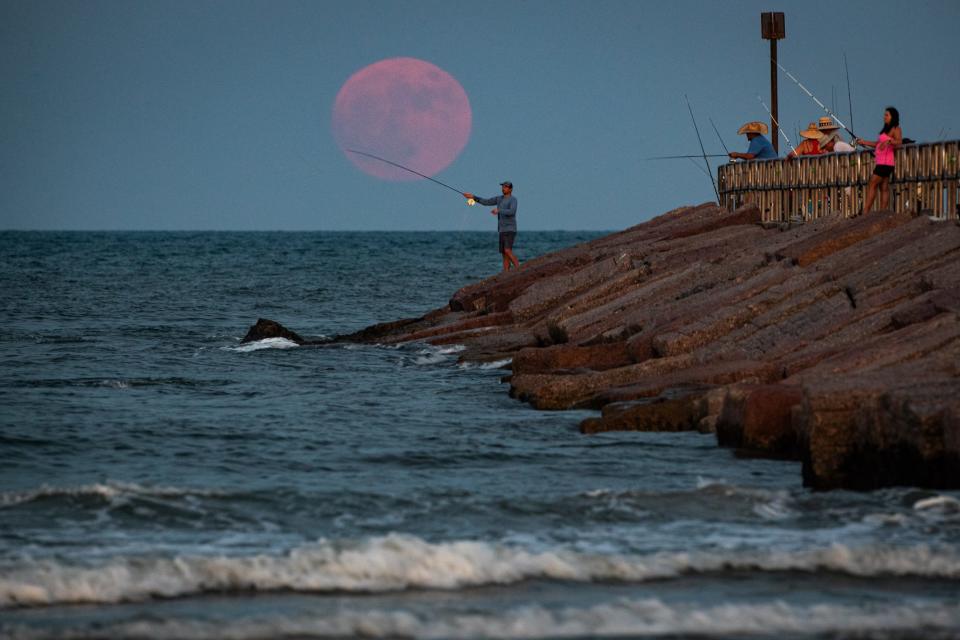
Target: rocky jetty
[[835, 342]]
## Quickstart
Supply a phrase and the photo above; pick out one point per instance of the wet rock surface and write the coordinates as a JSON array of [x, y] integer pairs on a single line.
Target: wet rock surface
[[835, 342]]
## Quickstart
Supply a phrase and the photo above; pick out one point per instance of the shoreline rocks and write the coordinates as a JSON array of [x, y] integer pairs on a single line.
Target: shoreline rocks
[[836, 342]]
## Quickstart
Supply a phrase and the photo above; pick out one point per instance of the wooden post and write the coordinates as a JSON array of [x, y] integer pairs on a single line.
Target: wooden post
[[773, 28]]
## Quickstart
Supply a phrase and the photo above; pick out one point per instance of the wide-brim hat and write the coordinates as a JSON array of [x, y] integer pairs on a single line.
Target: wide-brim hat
[[827, 124], [752, 127], [811, 132]]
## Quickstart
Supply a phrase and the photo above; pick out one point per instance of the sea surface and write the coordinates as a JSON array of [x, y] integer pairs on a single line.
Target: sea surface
[[160, 480]]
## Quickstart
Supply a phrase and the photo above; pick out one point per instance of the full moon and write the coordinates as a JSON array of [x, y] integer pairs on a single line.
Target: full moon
[[406, 110]]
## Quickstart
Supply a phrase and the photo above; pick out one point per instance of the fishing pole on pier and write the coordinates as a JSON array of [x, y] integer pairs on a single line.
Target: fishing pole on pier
[[700, 140], [779, 128], [820, 104], [722, 143], [849, 96], [470, 202], [693, 155]]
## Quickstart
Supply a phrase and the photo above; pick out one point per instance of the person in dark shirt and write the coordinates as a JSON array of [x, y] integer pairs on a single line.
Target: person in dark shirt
[[760, 147], [506, 212]]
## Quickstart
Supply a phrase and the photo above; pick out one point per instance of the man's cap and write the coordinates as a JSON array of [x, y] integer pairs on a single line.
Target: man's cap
[[752, 127], [506, 183]]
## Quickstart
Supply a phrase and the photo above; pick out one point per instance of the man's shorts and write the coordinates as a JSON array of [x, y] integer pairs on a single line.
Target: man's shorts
[[506, 240]]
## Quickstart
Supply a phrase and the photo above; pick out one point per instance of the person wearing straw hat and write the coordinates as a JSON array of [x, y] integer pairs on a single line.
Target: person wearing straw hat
[[760, 148], [830, 141], [810, 145]]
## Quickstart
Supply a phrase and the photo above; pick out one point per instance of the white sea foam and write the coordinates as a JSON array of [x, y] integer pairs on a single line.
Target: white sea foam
[[940, 503], [495, 364], [450, 349], [623, 617], [398, 562], [435, 355], [108, 491], [266, 343]]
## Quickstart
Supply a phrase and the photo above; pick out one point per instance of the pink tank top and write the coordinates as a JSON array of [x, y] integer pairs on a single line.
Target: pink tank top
[[884, 152]]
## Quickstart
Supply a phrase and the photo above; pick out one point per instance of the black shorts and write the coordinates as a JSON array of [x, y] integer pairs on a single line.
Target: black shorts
[[506, 240], [883, 170]]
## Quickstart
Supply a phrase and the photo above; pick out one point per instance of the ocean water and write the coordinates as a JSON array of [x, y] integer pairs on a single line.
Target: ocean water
[[160, 480]]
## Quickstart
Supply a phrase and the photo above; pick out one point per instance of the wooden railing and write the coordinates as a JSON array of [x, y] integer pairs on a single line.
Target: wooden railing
[[925, 181]]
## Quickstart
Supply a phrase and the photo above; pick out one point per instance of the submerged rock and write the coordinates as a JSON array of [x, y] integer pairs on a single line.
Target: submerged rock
[[264, 329]]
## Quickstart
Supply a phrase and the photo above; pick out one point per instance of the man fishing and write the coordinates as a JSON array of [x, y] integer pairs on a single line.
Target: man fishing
[[760, 148], [505, 208]]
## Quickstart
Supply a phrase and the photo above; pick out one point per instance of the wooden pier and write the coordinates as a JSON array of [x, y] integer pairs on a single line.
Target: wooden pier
[[925, 181]]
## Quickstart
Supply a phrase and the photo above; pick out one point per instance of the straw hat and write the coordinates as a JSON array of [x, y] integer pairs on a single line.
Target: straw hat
[[827, 124], [752, 127], [811, 132]]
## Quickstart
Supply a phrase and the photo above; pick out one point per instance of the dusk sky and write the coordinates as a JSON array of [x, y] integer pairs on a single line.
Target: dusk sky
[[218, 115]]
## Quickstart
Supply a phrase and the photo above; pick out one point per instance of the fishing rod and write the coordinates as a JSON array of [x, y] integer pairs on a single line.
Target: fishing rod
[[698, 155], [779, 128], [849, 97], [722, 143], [400, 166], [700, 140], [822, 106]]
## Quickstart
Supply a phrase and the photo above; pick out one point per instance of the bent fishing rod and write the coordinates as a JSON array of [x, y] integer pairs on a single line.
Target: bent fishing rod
[[779, 128], [400, 166], [822, 106], [700, 140]]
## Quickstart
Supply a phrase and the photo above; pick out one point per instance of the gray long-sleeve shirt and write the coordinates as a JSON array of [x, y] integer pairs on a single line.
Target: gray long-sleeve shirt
[[506, 211]]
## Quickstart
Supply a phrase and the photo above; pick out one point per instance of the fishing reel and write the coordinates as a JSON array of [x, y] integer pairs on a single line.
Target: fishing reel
[[471, 202]]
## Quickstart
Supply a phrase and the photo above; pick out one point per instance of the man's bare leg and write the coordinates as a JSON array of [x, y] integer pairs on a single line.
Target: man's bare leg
[[508, 256]]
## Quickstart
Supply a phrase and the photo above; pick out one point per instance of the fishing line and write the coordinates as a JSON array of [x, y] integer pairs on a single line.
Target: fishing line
[[700, 140], [400, 166], [702, 170], [722, 143]]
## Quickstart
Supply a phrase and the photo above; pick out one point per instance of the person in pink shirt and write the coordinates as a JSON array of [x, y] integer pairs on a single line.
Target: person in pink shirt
[[890, 138]]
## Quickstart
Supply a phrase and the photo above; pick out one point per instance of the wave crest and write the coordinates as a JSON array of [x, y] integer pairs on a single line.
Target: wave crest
[[106, 491], [624, 617], [399, 562]]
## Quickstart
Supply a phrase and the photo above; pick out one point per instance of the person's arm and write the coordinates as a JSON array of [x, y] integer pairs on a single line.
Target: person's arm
[[484, 201], [742, 156], [866, 143], [896, 137]]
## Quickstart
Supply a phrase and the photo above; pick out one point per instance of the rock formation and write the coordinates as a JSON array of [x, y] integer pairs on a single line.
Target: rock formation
[[836, 342]]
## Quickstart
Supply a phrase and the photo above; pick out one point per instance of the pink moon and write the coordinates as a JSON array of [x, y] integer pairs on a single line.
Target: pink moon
[[405, 110]]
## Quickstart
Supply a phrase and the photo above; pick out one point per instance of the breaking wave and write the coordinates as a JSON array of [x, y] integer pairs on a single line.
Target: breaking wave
[[643, 617], [266, 343], [108, 491], [399, 562]]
